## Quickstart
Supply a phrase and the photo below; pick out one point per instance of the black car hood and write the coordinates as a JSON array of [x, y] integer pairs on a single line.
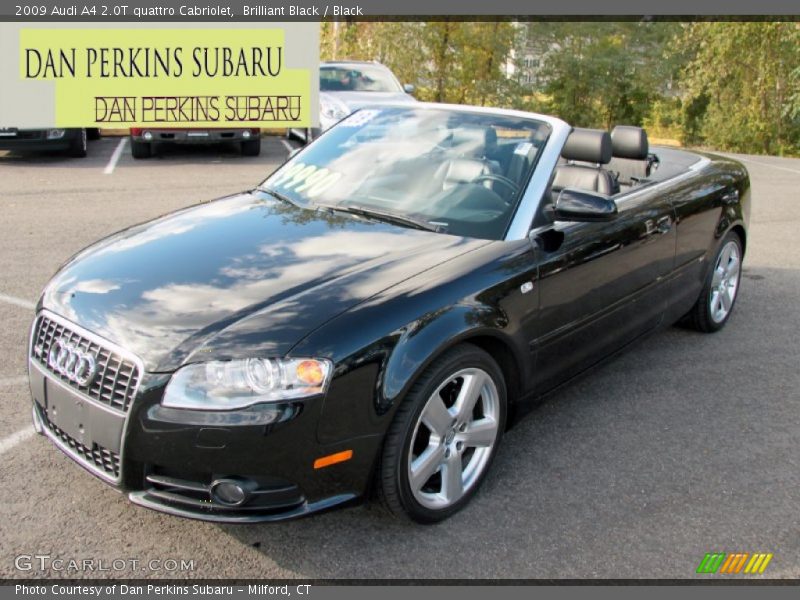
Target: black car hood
[[245, 274]]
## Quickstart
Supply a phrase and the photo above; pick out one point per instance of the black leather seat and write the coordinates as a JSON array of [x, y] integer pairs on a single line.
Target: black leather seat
[[474, 147], [462, 170], [630, 151], [586, 146]]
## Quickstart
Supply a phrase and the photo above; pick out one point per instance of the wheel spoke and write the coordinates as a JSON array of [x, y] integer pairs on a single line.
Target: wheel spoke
[[436, 416], [469, 394], [425, 465], [726, 299], [715, 303], [452, 482], [717, 278], [480, 433]]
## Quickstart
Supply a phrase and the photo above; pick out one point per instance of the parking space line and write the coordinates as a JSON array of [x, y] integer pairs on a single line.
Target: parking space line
[[9, 442], [17, 301], [764, 164], [9, 381], [112, 162], [287, 145]]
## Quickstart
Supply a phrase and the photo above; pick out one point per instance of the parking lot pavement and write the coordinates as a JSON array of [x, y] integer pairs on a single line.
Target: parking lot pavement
[[684, 445]]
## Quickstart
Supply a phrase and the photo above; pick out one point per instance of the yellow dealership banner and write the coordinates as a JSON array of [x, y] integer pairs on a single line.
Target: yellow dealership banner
[[170, 77]]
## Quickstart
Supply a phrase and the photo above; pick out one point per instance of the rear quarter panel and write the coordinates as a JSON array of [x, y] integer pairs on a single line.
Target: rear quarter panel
[[707, 206]]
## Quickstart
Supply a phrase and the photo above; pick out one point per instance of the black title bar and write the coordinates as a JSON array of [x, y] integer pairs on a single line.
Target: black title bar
[[313, 10]]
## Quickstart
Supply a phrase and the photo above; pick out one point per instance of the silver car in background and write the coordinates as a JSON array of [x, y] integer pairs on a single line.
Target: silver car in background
[[345, 86]]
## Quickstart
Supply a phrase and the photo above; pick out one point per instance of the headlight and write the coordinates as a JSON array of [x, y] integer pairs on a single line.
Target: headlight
[[331, 109], [55, 134], [227, 385]]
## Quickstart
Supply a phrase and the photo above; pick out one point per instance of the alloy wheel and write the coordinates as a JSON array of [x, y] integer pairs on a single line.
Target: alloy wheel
[[724, 282], [454, 438]]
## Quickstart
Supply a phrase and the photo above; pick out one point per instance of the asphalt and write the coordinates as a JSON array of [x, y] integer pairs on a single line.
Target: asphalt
[[684, 445]]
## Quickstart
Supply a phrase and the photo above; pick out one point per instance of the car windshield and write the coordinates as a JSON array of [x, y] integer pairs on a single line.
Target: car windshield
[[357, 79], [453, 171]]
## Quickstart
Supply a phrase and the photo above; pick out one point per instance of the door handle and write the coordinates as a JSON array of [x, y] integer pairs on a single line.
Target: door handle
[[664, 224]]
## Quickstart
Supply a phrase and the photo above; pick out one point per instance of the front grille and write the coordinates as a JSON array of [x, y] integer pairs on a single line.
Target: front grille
[[102, 458], [117, 376], [30, 135]]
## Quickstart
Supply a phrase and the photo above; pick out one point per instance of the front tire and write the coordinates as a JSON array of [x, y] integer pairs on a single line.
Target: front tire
[[715, 304], [251, 147], [78, 147], [141, 149], [444, 436]]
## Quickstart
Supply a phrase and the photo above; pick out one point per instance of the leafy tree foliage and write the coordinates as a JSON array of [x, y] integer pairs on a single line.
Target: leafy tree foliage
[[732, 86], [746, 76]]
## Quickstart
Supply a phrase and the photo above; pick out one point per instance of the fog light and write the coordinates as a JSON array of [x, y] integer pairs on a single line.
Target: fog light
[[246, 134], [230, 492], [55, 134], [147, 135]]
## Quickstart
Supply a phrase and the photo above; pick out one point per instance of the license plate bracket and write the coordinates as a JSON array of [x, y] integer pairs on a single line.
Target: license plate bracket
[[85, 421]]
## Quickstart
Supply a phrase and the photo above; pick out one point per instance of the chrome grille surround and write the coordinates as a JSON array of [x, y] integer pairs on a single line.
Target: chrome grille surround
[[102, 462], [118, 372]]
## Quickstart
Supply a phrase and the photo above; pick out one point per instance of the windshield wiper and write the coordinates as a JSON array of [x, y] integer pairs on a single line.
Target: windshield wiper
[[388, 216], [282, 197]]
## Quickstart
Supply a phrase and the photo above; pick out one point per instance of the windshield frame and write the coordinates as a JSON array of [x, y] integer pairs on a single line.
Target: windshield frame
[[521, 220], [362, 67]]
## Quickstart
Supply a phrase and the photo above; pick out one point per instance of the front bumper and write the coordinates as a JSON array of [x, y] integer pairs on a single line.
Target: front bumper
[[170, 459], [35, 140], [194, 136]]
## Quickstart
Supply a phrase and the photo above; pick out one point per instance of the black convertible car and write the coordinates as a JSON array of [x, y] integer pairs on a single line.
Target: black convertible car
[[371, 315]]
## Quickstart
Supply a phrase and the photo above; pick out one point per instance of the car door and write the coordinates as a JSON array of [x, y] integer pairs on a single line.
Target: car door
[[601, 285]]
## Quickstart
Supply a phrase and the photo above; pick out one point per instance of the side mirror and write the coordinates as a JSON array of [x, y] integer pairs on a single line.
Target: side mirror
[[579, 205], [409, 88]]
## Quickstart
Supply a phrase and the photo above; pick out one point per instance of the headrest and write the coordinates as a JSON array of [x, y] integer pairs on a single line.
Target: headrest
[[629, 142], [476, 141], [588, 145]]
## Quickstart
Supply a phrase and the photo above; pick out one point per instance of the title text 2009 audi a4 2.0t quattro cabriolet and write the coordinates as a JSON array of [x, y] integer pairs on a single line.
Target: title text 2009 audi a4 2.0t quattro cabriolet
[[371, 314]]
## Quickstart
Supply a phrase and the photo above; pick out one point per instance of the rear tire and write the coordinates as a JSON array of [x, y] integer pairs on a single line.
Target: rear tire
[[718, 297], [444, 436], [78, 147], [251, 147], [141, 149]]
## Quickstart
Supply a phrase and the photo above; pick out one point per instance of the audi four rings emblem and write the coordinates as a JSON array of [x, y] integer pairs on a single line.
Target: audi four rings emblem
[[73, 363]]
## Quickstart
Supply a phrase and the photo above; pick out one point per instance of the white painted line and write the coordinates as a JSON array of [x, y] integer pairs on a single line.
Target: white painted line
[[764, 164], [112, 162], [9, 381], [17, 301], [9, 442], [287, 145]]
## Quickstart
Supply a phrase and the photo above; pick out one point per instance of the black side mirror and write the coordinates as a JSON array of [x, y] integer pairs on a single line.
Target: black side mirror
[[579, 205], [409, 88]]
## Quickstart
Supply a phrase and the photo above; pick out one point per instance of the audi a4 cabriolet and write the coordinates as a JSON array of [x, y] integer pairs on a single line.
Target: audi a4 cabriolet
[[370, 317]]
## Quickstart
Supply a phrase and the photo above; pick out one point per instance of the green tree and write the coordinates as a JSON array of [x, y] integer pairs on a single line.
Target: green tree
[[745, 78], [601, 74]]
